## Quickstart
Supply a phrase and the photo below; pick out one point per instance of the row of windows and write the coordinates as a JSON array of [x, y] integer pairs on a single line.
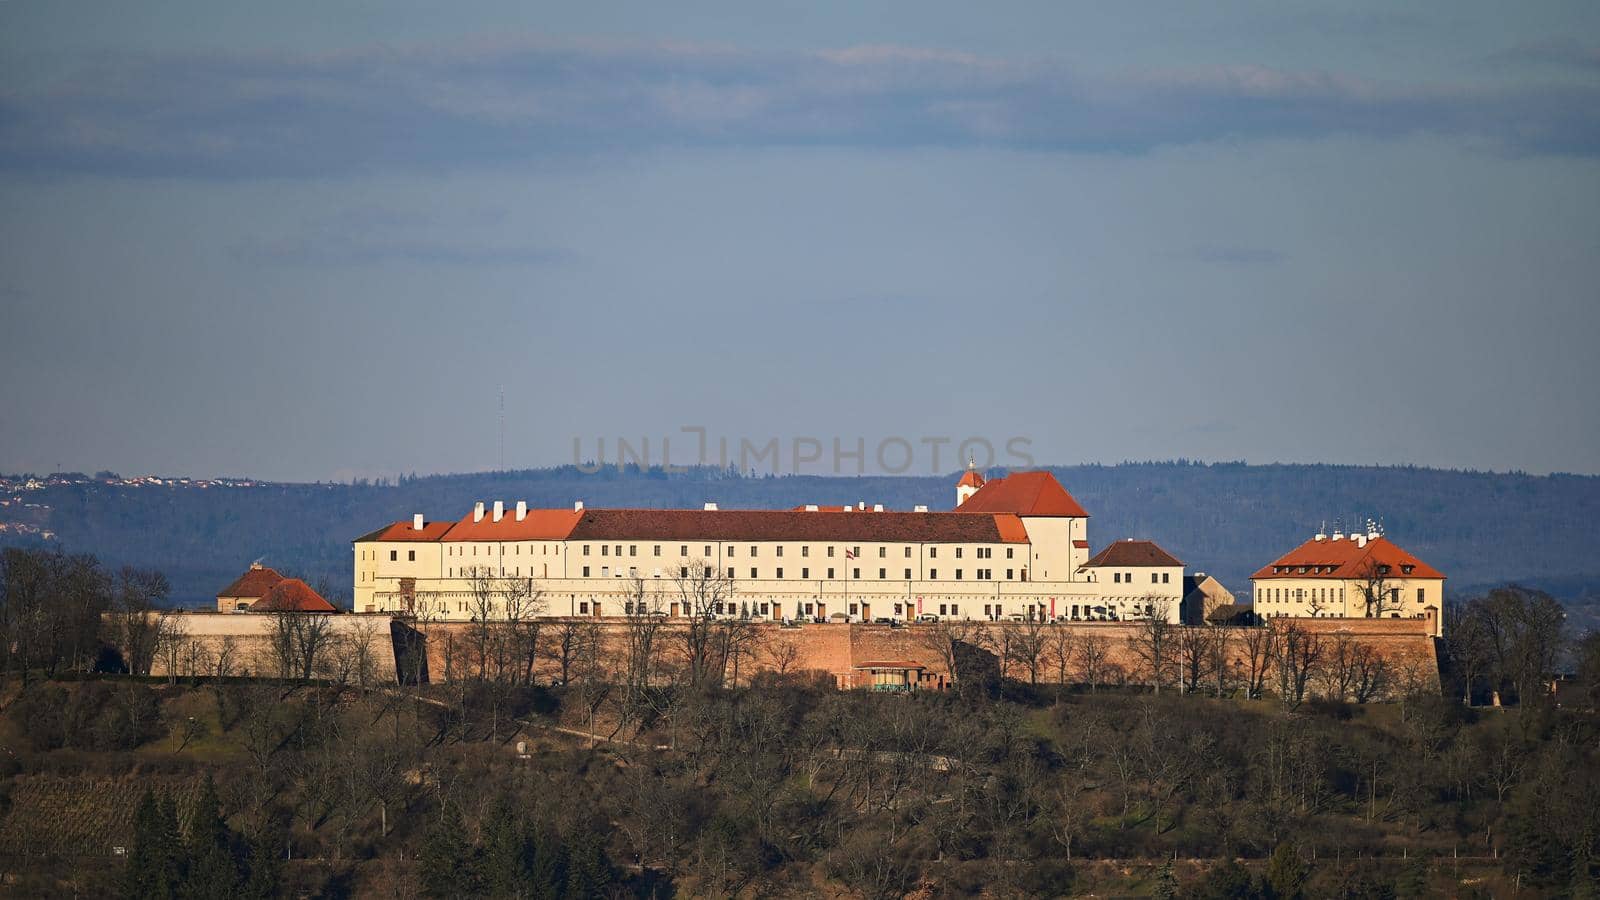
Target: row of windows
[[1155, 577], [805, 573], [732, 550]]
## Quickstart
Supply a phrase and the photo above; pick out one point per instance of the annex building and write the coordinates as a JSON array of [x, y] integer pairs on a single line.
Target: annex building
[[1015, 547], [1363, 575]]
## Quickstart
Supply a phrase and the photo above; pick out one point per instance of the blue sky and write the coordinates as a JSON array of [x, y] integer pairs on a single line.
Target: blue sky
[[311, 240]]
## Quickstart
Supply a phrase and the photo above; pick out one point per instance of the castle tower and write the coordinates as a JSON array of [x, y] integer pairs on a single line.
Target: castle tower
[[969, 483]]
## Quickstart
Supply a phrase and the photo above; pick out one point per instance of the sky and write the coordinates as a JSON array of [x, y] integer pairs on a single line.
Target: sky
[[317, 241]]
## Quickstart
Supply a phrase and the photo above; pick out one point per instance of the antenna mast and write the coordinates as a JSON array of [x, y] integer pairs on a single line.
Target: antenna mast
[[502, 428]]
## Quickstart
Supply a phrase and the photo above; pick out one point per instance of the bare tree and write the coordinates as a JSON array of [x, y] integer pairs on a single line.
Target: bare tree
[[1194, 645], [1094, 651], [1379, 594], [140, 595], [172, 640], [1063, 647], [1219, 650], [1373, 674], [298, 641], [1029, 641], [704, 595], [1260, 647], [645, 621], [1298, 658], [1153, 642], [942, 638]]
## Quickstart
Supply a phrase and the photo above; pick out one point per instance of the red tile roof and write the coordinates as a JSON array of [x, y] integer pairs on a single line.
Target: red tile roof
[[1133, 553], [402, 531], [292, 595], [1346, 559], [254, 583], [538, 525], [1025, 494], [971, 479], [787, 525]]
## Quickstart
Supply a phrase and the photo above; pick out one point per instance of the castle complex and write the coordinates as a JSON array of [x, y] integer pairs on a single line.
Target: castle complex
[[1013, 548]]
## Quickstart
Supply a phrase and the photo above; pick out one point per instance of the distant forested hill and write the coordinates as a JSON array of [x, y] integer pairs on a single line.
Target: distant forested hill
[[1226, 519]]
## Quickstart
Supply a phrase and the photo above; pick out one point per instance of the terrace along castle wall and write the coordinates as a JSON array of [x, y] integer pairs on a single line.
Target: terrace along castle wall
[[846, 653]]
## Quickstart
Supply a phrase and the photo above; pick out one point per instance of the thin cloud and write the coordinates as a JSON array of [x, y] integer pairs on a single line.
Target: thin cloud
[[514, 102], [355, 251], [1561, 53]]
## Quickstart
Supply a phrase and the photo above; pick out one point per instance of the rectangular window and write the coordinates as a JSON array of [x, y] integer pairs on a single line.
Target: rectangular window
[[933, 552], [586, 571], [805, 572], [707, 554], [754, 550], [955, 609], [753, 572], [933, 574], [394, 556], [830, 573], [883, 573], [958, 574], [958, 553], [657, 550], [1155, 578], [908, 574], [805, 550], [583, 607], [730, 573], [683, 571], [683, 551], [908, 553], [605, 549], [585, 549], [855, 572], [1166, 577], [411, 556], [780, 549], [780, 572], [633, 549], [944, 609], [830, 551], [1419, 595], [882, 552], [1116, 577], [732, 551]]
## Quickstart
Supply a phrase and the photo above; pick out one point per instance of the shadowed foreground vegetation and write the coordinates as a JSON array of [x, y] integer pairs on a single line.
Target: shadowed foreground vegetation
[[784, 789]]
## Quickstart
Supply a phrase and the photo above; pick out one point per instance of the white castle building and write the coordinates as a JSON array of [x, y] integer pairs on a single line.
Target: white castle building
[[1013, 547]]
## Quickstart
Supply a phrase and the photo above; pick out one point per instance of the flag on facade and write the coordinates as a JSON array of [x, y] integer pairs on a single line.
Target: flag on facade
[[849, 554]]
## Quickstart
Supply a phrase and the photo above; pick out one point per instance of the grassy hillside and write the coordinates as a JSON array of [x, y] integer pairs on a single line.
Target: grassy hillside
[[1227, 519]]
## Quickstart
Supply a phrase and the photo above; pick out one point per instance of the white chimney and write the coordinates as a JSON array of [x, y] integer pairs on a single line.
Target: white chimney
[[499, 510], [1338, 535], [848, 507], [811, 507], [477, 511], [861, 504], [877, 507], [416, 522], [1319, 537], [711, 506], [522, 510], [577, 506], [921, 508], [1361, 540]]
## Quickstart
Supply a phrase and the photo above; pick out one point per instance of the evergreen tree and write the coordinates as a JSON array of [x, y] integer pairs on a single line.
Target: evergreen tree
[[1166, 882], [1413, 879], [266, 868], [213, 874], [588, 870], [446, 856], [506, 868], [548, 871], [1225, 881], [1286, 873], [138, 877]]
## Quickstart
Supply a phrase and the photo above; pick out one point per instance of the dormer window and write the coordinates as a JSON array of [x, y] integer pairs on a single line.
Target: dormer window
[[1406, 569], [1383, 570]]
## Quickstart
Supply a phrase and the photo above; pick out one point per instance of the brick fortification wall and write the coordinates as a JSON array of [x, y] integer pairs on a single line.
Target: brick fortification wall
[[836, 650]]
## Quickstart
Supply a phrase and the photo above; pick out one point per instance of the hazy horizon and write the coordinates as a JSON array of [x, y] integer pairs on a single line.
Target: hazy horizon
[[300, 246]]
